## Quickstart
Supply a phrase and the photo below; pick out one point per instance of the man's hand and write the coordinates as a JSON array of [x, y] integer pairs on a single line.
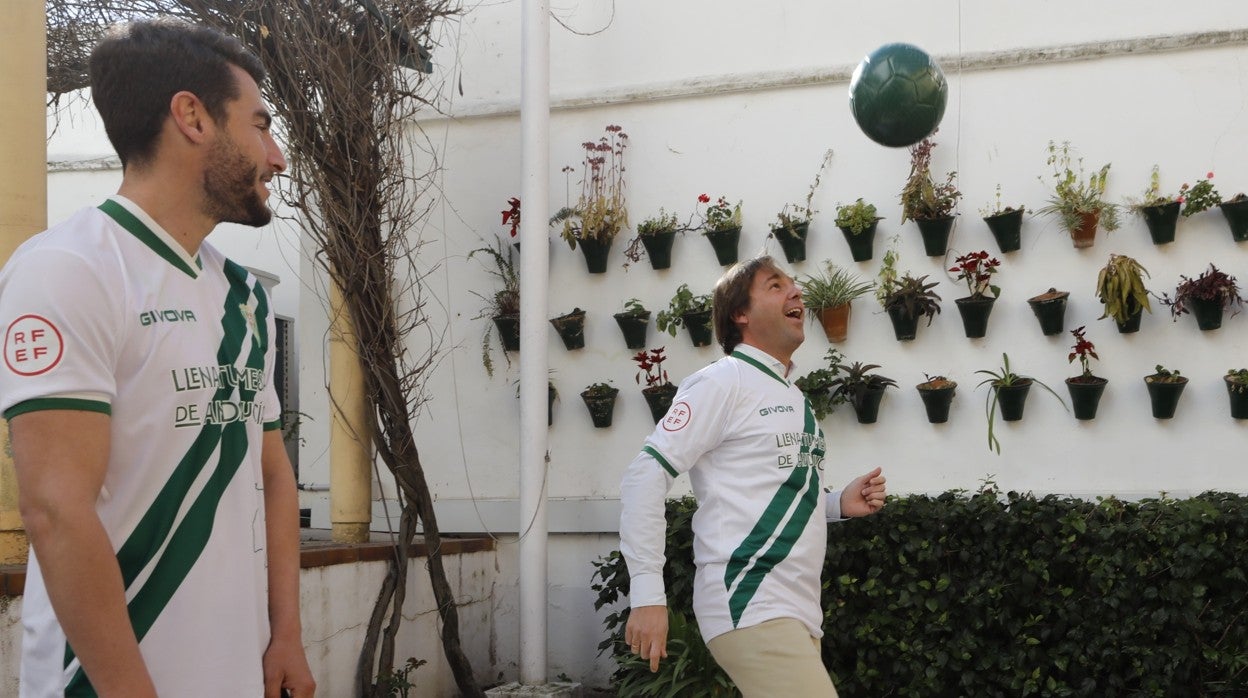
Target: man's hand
[[646, 633], [286, 667], [864, 495]]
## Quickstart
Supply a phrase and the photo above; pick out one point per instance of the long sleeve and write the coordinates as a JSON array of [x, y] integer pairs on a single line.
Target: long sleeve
[[643, 528]]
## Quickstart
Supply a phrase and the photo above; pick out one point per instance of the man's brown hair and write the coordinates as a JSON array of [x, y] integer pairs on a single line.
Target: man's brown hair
[[732, 295]]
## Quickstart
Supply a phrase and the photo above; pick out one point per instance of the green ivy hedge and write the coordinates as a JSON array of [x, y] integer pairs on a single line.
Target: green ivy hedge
[[996, 594]]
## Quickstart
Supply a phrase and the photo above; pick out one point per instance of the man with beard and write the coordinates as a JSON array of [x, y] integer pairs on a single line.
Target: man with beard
[[159, 501]]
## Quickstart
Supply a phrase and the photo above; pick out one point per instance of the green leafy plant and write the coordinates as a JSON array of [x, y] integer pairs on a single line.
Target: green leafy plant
[[1152, 196], [1201, 196], [792, 215], [857, 217], [856, 381], [600, 212], [682, 303], [1238, 378], [1212, 285], [1120, 287], [921, 197], [397, 682], [720, 215], [600, 389], [915, 297], [818, 385], [664, 222], [832, 287], [888, 277], [996, 209], [503, 302], [976, 269], [634, 308], [1004, 378], [1161, 374], [1076, 193]]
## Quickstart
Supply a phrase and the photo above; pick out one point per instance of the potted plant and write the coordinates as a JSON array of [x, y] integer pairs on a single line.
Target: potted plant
[[976, 269], [862, 389], [1199, 197], [1120, 287], [1009, 390], [503, 306], [937, 393], [659, 391], [928, 204], [793, 221], [599, 213], [633, 322], [571, 328], [1159, 211], [829, 295], [655, 234], [599, 399], [1205, 297], [690, 311], [1085, 389], [1236, 380], [511, 219], [1235, 209], [1005, 223], [1050, 310], [722, 227], [818, 385], [905, 298], [1078, 199], [857, 222], [1165, 387]]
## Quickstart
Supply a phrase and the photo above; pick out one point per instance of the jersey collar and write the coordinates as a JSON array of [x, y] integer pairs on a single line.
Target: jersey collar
[[135, 220], [763, 361]]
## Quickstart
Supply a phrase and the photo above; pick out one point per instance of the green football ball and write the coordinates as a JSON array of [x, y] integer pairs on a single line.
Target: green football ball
[[897, 95]]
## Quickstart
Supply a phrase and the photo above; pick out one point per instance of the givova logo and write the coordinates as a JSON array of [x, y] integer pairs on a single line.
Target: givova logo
[[778, 409], [151, 317]]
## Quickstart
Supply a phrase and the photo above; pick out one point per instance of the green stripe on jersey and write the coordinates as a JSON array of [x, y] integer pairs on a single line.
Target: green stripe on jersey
[[654, 453], [40, 404], [756, 364], [136, 227], [187, 542]]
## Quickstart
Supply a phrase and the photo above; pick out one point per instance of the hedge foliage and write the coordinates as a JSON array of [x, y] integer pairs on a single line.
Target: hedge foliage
[[994, 594]]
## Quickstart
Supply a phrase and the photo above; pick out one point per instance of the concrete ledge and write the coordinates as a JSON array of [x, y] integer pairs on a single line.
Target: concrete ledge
[[516, 690]]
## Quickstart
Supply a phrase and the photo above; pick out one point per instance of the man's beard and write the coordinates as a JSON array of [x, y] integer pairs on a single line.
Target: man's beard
[[230, 187]]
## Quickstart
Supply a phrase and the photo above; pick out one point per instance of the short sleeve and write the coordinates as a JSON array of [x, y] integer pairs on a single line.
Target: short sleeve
[[268, 396], [61, 323]]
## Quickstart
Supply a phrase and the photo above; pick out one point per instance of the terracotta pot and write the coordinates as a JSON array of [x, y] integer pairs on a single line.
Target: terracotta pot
[[835, 322]]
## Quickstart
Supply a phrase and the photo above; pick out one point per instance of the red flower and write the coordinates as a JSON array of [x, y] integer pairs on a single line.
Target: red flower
[[704, 199], [1208, 175]]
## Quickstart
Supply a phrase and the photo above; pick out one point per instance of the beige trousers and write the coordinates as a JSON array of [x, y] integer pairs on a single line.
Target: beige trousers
[[775, 658]]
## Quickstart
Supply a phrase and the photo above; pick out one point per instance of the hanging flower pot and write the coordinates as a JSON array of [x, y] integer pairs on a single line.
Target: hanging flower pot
[[571, 329], [1237, 391], [1132, 323], [1007, 227], [867, 407], [1084, 234], [1164, 390], [508, 330], [1208, 313], [659, 398], [975, 311], [634, 326], [792, 240], [698, 323], [1050, 310], [935, 232], [905, 325], [835, 321], [1011, 399], [937, 393], [861, 245], [1085, 395], [551, 394], [659, 248], [1162, 221], [725, 244], [596, 250], [599, 399], [1236, 212]]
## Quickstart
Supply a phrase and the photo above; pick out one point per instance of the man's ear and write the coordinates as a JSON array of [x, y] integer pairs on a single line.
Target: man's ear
[[190, 117]]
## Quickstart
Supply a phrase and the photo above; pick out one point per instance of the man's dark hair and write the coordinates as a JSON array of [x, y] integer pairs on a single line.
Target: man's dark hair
[[732, 295], [137, 68]]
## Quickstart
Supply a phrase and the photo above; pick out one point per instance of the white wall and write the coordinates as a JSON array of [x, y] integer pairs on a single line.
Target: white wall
[[1180, 109]]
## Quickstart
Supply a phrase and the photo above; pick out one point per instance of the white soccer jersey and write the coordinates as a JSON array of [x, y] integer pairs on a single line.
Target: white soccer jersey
[[106, 312], [754, 453]]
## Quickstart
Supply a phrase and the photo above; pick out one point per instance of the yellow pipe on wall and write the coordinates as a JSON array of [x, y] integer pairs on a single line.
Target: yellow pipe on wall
[[350, 479]]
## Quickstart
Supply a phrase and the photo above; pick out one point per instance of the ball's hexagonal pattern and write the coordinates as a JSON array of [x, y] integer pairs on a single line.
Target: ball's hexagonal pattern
[[897, 95]]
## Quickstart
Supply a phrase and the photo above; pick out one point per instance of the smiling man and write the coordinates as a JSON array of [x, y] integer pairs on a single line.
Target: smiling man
[[754, 453], [137, 381]]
